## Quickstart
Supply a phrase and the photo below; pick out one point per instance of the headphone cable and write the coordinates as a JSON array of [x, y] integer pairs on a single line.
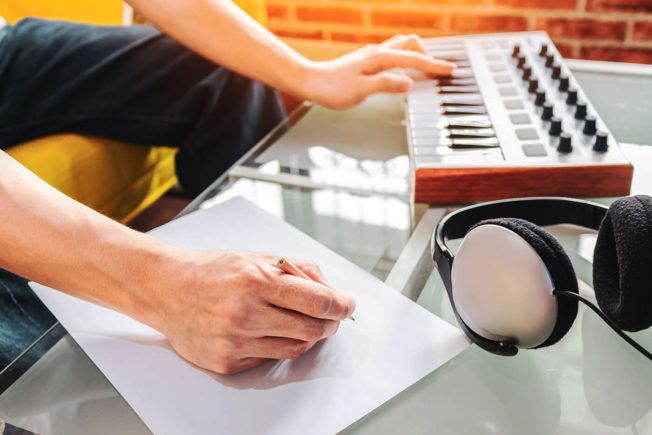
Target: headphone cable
[[606, 319]]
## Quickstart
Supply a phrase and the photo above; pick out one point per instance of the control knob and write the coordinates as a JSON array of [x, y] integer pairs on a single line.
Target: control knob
[[589, 125], [601, 144], [556, 71], [580, 111], [571, 99], [540, 97], [555, 126], [543, 50], [565, 143], [564, 82], [548, 112], [516, 50]]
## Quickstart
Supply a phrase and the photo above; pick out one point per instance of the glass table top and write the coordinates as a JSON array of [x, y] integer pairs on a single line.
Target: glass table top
[[591, 382]]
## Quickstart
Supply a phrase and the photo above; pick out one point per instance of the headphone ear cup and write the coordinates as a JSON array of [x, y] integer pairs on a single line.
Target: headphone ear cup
[[622, 263], [559, 267]]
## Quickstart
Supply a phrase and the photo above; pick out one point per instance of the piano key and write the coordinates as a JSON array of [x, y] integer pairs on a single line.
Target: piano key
[[488, 142], [449, 81], [462, 100], [458, 90], [463, 110], [446, 150], [470, 132], [466, 122], [461, 73], [450, 56]]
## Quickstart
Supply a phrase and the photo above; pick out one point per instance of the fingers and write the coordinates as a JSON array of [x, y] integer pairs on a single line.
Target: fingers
[[386, 82], [278, 348], [406, 42], [232, 366], [310, 298], [280, 322], [312, 270], [387, 58]]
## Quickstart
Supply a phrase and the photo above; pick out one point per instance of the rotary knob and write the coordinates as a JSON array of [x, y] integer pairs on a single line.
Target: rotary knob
[[543, 50], [555, 126], [564, 82], [516, 50], [601, 144], [533, 85], [540, 97], [556, 71], [550, 60], [580, 111], [548, 112], [527, 72], [590, 125], [571, 98], [565, 143], [520, 61]]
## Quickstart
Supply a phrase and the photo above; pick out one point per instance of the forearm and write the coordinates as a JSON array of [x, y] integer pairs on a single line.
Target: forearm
[[220, 31], [50, 238]]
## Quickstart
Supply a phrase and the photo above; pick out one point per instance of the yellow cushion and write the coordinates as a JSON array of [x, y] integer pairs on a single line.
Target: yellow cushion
[[114, 178]]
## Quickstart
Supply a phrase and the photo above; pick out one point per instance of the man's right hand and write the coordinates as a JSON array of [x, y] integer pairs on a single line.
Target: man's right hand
[[230, 311]]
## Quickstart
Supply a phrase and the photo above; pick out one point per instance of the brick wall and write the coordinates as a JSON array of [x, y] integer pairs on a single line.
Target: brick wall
[[615, 30]]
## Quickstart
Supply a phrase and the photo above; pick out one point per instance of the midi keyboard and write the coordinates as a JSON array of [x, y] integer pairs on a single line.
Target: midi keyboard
[[511, 121]]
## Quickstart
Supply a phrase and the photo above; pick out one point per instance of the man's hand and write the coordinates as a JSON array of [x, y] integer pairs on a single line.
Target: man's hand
[[348, 80], [230, 311]]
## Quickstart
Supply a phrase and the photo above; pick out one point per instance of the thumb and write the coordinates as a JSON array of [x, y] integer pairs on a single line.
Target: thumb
[[388, 82]]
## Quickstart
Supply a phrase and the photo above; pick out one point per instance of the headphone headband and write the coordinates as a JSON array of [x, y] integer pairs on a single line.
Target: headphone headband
[[540, 211]]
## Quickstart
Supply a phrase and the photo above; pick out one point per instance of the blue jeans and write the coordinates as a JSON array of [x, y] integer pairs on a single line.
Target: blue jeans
[[131, 84]]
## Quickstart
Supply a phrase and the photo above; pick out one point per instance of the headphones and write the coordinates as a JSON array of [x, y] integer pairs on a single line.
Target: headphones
[[511, 285]]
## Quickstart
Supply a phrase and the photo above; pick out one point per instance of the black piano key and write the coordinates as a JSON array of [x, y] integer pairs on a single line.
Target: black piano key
[[458, 90], [449, 81], [490, 142], [464, 110]]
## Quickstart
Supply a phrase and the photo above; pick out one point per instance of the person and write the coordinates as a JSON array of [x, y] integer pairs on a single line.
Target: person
[[204, 83]]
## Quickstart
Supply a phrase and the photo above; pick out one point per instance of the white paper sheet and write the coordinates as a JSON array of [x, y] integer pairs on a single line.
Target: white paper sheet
[[392, 344]]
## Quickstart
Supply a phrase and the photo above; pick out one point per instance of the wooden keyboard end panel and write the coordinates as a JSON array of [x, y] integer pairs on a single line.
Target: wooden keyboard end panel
[[464, 185]]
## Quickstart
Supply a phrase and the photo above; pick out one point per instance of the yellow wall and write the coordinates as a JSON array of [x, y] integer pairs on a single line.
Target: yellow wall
[[93, 11]]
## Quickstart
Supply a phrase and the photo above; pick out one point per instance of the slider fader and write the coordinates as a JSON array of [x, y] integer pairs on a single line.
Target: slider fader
[[511, 121]]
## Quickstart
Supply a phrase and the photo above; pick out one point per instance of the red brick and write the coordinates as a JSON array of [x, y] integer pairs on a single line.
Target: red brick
[[451, 2], [276, 11], [583, 28], [617, 54], [627, 6], [405, 19], [642, 31], [293, 33], [564, 49], [487, 23], [539, 4], [330, 14]]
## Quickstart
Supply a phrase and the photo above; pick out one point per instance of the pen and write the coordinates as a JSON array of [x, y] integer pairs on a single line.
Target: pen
[[288, 267]]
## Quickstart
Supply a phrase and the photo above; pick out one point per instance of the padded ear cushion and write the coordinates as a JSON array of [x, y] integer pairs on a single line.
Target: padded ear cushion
[[622, 263], [558, 264]]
